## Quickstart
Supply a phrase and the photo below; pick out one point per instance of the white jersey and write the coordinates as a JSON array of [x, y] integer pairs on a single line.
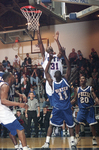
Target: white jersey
[[56, 64], [6, 115]]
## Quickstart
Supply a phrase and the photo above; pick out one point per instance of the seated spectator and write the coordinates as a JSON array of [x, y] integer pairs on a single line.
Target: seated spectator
[[79, 53], [26, 86], [32, 91], [21, 118], [5, 62], [16, 63], [81, 62], [23, 76], [35, 75], [17, 88], [89, 80], [43, 120], [27, 60], [93, 55], [26, 71], [73, 56], [9, 67], [46, 103], [95, 76]]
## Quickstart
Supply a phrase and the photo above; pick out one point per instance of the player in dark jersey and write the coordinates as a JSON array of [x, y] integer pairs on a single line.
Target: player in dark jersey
[[61, 102], [85, 96]]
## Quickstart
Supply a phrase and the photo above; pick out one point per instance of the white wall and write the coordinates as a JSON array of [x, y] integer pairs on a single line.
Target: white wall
[[82, 35]]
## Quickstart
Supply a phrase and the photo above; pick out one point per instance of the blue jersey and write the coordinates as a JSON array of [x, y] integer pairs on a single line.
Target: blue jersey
[[61, 95], [84, 97], [1, 74]]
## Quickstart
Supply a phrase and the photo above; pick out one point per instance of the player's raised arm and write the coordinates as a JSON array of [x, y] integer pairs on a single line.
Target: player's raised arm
[[40, 43], [68, 71], [48, 77], [94, 96], [56, 37]]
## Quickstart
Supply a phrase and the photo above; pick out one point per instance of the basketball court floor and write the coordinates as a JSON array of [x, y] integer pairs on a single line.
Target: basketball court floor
[[57, 143]]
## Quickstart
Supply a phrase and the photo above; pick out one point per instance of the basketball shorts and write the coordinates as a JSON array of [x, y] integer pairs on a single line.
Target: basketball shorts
[[58, 116], [86, 115], [13, 127]]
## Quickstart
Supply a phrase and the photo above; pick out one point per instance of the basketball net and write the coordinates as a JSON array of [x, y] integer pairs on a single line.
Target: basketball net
[[16, 45], [32, 15]]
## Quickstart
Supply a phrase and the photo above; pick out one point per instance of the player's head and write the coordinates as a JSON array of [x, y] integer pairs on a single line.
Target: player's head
[[82, 80], [9, 78], [58, 76], [49, 50], [1, 67]]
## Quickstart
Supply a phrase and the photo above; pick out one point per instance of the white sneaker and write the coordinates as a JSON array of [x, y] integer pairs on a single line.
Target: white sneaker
[[46, 145], [73, 145], [77, 139], [94, 142]]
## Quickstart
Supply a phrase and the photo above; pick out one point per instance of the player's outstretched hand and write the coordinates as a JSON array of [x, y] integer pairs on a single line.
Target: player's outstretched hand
[[56, 36]]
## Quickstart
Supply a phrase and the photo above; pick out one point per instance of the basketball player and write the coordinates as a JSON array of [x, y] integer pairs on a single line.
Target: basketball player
[[61, 102], [85, 96], [55, 63], [7, 118]]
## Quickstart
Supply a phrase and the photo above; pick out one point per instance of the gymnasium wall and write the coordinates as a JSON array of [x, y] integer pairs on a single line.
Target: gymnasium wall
[[82, 35]]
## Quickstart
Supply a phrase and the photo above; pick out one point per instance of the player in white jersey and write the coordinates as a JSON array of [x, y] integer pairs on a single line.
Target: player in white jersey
[[55, 63], [7, 118]]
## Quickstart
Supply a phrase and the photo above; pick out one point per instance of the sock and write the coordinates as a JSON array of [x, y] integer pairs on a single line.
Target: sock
[[77, 135], [16, 146], [48, 139], [72, 138], [63, 132], [19, 141], [25, 148], [94, 137]]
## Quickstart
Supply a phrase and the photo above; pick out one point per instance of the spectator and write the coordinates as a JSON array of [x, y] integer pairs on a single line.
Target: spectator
[[26, 86], [95, 77], [93, 55], [35, 75], [26, 71], [9, 67], [27, 60], [23, 77], [73, 56], [43, 120], [5, 62], [31, 113], [80, 62], [17, 88], [32, 90], [16, 63], [79, 53], [21, 118]]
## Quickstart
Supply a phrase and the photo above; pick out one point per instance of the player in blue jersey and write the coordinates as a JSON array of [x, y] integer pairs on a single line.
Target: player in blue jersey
[[85, 97], [61, 102]]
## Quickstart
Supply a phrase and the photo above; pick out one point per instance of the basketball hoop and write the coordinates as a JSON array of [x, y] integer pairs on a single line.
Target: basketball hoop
[[32, 15], [16, 45]]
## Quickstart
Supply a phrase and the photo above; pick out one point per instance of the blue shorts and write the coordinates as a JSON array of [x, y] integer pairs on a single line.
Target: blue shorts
[[88, 115], [58, 116], [13, 127]]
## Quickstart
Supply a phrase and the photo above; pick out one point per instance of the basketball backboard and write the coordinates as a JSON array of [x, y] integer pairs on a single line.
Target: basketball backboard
[[23, 35]]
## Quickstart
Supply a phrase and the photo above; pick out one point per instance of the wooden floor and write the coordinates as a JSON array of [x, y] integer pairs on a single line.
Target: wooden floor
[[56, 143]]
